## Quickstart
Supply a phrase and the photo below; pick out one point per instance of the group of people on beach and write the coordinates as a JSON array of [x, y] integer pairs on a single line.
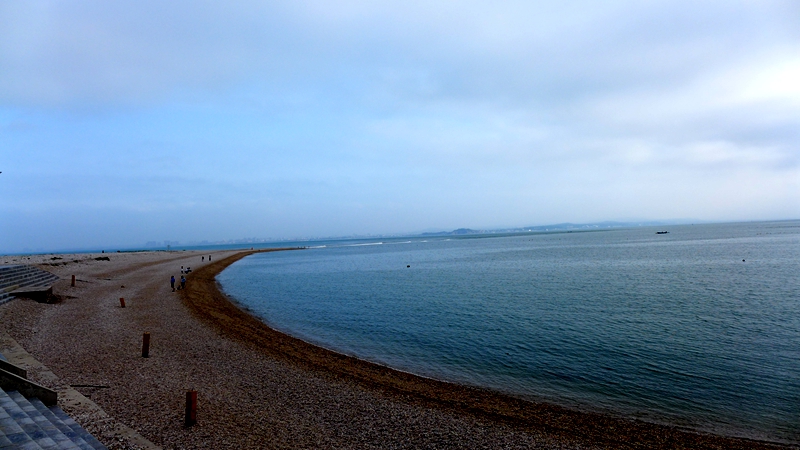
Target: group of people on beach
[[183, 279], [182, 285]]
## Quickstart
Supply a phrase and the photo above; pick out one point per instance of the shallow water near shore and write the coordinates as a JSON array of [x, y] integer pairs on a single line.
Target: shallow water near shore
[[699, 327]]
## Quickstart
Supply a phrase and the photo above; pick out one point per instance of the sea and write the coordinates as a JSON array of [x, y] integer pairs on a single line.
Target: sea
[[698, 327]]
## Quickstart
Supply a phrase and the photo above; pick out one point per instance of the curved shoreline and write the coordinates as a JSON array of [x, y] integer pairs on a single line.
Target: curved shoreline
[[206, 301]]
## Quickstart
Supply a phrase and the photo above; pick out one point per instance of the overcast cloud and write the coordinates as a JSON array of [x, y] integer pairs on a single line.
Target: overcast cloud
[[128, 122]]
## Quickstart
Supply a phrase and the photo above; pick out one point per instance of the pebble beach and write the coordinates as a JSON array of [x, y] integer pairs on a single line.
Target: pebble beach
[[258, 388]]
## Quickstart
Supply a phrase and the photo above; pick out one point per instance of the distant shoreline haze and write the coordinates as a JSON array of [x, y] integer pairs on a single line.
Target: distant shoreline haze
[[175, 245]]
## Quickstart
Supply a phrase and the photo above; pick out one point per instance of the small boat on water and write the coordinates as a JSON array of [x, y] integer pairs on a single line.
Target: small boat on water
[[662, 232]]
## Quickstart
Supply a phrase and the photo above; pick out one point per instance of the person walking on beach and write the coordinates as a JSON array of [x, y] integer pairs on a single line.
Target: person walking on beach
[[183, 282], [172, 283]]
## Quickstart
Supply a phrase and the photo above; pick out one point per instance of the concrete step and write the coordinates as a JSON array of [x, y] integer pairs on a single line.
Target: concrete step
[[43, 278], [30, 424], [66, 431], [11, 433], [26, 278], [5, 269], [43, 281], [44, 433], [36, 280], [19, 428], [13, 270], [91, 441]]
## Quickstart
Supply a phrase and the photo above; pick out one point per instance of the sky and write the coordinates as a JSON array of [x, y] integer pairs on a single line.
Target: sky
[[123, 123]]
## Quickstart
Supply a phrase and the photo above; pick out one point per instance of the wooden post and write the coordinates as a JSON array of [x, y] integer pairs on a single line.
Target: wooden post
[[146, 345], [122, 302], [73, 281], [191, 408]]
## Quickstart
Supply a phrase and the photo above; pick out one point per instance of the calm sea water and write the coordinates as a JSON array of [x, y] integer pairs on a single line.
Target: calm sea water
[[699, 327]]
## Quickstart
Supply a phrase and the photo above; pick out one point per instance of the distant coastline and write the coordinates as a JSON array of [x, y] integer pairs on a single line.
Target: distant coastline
[[265, 243]]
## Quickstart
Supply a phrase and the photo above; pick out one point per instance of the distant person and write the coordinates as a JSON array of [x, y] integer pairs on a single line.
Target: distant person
[[172, 283], [181, 269], [202, 258], [209, 258], [183, 282]]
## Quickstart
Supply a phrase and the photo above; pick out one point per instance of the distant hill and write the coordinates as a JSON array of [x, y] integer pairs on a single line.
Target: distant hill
[[555, 227], [460, 231]]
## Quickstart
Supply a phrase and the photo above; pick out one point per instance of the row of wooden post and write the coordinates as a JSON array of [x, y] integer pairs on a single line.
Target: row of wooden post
[[191, 396]]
